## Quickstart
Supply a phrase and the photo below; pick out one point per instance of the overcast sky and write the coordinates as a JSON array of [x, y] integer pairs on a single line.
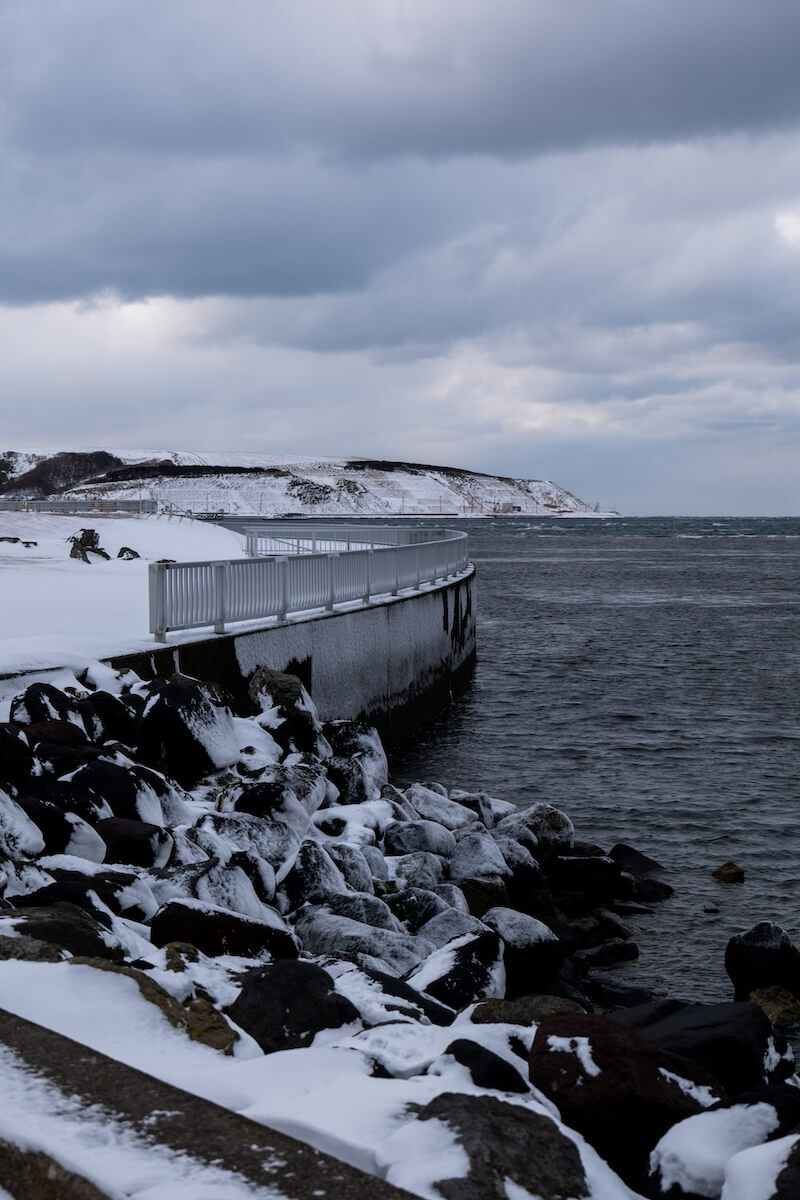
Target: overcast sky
[[550, 238]]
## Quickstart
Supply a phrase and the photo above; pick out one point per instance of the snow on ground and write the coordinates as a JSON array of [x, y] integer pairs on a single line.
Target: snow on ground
[[58, 611], [325, 1095]]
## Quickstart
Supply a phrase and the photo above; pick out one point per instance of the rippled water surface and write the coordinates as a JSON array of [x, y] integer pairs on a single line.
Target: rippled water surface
[[644, 675]]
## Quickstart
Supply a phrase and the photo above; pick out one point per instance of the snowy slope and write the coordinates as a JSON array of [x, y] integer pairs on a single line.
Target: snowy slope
[[276, 485]]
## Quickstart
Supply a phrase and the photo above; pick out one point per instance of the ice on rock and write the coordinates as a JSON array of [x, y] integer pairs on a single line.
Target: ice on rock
[[517, 929], [434, 807], [477, 856]]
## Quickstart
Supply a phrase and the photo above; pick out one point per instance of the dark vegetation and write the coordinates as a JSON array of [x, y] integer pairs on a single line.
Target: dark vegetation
[[57, 473], [380, 464]]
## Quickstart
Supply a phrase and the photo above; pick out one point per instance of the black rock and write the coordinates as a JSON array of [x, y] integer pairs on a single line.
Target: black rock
[[353, 866], [107, 718], [43, 702], [286, 1004], [69, 927], [634, 861], [127, 791], [136, 843], [314, 876], [437, 1014], [370, 910], [405, 837], [468, 969], [414, 906], [214, 931], [733, 1042], [16, 759], [763, 956], [174, 731], [488, 1070], [505, 1142], [617, 1090]]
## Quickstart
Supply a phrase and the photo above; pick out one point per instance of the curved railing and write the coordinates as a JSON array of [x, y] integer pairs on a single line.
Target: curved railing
[[296, 568]]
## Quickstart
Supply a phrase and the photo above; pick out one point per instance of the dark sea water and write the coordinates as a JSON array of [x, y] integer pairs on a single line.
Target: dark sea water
[[644, 676]]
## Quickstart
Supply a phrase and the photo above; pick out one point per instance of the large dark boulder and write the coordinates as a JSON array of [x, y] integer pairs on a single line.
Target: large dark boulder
[[370, 910], [136, 843], [183, 734], [506, 1142], [586, 880], [127, 791], [284, 1005], [415, 906], [532, 953], [69, 928], [313, 877], [108, 718], [16, 759], [63, 833], [415, 1003], [762, 957], [353, 865], [43, 702], [323, 932], [465, 970], [734, 1042], [613, 1087], [216, 931]]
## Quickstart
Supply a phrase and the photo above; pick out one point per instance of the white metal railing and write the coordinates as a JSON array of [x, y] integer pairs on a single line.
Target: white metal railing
[[315, 568]]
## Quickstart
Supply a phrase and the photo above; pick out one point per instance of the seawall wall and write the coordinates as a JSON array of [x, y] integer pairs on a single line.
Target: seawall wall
[[395, 662]]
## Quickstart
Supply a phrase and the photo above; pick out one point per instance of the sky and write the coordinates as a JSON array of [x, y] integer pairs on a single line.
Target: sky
[[548, 238]]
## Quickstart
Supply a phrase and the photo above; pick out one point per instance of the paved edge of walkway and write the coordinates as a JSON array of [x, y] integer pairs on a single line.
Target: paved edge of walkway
[[187, 1124]]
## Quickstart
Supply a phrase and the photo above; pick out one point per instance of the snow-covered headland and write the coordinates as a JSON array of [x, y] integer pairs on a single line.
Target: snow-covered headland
[[277, 485], [241, 904]]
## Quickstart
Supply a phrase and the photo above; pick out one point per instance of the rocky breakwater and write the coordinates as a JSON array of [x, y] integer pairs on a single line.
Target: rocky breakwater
[[418, 975]]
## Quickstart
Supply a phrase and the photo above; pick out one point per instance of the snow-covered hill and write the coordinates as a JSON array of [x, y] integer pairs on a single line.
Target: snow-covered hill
[[273, 485]]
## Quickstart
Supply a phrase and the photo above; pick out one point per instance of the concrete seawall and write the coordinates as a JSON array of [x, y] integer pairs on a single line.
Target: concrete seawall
[[395, 662]]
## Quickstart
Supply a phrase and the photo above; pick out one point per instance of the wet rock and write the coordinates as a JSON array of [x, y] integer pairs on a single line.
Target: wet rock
[[506, 1142], [286, 1004], [761, 957], [620, 1092], [552, 828], [729, 872], [608, 954], [634, 861], [734, 1043], [215, 931], [488, 809]]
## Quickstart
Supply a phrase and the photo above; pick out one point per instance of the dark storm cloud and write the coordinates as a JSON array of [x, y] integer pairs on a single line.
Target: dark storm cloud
[[513, 77]]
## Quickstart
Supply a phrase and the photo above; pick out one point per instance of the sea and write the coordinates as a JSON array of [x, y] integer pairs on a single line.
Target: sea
[[643, 675]]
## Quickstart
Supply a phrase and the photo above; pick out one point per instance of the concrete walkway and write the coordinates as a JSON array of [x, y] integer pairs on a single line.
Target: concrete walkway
[[159, 1115]]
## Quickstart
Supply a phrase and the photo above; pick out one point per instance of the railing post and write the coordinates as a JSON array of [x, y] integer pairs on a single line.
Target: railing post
[[367, 576], [219, 597], [331, 582], [396, 557], [282, 565], [418, 570], [158, 587]]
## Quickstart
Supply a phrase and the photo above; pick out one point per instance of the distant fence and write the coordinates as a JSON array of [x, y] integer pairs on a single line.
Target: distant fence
[[297, 569], [79, 506]]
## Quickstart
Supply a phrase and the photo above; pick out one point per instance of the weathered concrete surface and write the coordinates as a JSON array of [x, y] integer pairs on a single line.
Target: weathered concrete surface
[[395, 663], [186, 1124]]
